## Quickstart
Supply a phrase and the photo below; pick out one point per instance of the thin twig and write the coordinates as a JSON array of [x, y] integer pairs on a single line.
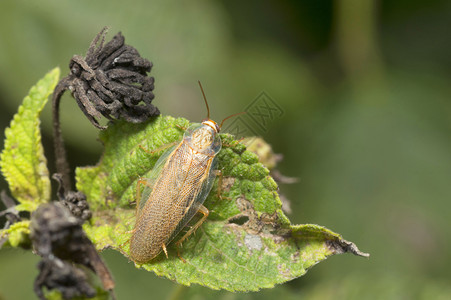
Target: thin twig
[[62, 165]]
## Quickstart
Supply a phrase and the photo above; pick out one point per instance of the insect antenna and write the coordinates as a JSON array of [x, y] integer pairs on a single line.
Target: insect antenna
[[205, 99], [240, 113], [208, 108]]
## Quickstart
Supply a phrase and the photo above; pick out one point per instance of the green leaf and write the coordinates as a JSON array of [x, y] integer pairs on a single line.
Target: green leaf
[[22, 161], [247, 242], [18, 234]]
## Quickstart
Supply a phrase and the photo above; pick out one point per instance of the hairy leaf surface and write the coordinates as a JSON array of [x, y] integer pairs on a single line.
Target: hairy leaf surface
[[247, 242]]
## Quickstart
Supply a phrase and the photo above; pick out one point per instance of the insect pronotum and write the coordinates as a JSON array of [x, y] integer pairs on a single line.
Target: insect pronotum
[[178, 185]]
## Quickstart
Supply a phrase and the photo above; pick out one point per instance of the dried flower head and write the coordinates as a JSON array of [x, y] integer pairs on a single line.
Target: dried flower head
[[76, 202], [112, 81], [56, 274], [58, 237]]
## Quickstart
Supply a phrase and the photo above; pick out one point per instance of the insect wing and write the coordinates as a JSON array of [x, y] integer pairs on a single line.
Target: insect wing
[[199, 199], [154, 174]]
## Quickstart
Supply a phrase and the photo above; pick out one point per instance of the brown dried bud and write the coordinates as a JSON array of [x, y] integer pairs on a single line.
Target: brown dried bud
[[59, 239], [112, 81]]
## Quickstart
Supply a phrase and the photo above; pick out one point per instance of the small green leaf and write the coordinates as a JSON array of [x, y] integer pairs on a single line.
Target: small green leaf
[[22, 161], [18, 233], [247, 242]]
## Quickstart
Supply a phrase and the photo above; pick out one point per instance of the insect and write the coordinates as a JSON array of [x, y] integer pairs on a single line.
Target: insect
[[178, 185]]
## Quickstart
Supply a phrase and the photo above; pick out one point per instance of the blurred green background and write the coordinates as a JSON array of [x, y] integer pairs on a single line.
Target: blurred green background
[[366, 94]]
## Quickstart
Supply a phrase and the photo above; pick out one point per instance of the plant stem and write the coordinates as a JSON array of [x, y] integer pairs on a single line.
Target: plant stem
[[357, 43], [62, 165]]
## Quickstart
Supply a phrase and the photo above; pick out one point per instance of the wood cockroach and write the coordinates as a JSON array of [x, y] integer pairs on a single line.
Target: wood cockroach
[[175, 191]]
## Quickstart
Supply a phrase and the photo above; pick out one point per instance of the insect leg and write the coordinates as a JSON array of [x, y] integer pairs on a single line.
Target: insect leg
[[234, 143], [180, 256], [121, 246], [181, 127], [165, 250], [203, 210], [138, 190]]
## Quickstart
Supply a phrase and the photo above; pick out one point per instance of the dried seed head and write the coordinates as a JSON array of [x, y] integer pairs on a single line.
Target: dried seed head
[[63, 276], [75, 201], [59, 239], [112, 81], [55, 231]]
